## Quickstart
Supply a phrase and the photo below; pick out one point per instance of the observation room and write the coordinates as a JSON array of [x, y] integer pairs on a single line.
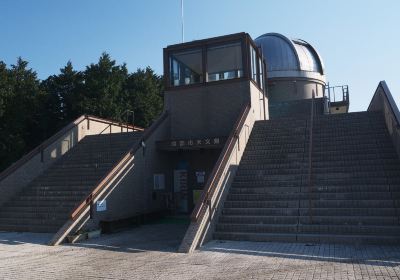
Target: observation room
[[214, 60]]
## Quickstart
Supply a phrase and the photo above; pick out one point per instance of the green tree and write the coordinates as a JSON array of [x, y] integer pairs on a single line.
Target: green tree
[[104, 86], [144, 96], [22, 112], [64, 96], [31, 110]]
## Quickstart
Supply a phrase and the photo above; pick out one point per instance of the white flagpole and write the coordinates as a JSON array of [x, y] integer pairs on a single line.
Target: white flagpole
[[183, 23]]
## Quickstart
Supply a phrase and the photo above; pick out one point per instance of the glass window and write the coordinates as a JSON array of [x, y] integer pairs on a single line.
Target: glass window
[[224, 62], [186, 67], [253, 57], [261, 73]]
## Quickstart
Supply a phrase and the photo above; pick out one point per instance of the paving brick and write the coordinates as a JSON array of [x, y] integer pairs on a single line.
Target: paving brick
[[149, 252]]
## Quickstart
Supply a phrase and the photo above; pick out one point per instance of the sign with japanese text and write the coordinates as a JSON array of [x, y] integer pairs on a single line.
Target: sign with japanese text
[[176, 144]]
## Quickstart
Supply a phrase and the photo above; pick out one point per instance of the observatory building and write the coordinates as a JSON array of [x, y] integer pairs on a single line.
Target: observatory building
[[253, 144], [294, 69]]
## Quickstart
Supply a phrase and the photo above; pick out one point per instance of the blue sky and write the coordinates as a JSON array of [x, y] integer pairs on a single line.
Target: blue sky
[[358, 39]]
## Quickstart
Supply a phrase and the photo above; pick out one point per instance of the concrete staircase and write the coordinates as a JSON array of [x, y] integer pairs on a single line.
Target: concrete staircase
[[46, 203], [355, 190]]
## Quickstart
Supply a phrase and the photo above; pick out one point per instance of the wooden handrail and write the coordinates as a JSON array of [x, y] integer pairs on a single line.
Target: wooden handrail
[[117, 167], [220, 165], [45, 144]]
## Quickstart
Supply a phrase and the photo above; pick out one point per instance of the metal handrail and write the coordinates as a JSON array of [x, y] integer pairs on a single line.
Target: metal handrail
[[208, 192], [46, 143], [126, 113], [100, 186], [332, 92]]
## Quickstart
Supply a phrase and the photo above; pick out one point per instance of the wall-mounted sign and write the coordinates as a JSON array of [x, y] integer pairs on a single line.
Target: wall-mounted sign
[[192, 144], [200, 175], [101, 205], [159, 182]]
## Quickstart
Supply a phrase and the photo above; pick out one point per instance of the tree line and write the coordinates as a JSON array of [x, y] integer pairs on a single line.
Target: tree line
[[31, 110]]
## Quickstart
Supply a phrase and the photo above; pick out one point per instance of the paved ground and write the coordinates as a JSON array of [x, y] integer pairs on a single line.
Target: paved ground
[[148, 252]]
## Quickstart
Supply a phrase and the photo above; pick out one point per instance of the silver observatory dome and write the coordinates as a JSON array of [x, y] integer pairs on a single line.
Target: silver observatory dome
[[294, 68]]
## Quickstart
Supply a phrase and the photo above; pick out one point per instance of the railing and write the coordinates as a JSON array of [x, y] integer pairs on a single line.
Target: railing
[[337, 93], [207, 194], [39, 149], [218, 182], [128, 113], [104, 183], [18, 175], [310, 149]]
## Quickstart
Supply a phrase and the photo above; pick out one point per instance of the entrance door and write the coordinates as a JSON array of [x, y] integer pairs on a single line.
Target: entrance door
[[181, 190]]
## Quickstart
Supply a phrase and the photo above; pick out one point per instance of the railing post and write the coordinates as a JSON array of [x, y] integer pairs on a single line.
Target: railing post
[[209, 209], [89, 201]]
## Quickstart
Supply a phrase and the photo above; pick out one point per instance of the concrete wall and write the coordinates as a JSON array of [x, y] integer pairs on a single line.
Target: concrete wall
[[196, 112], [338, 109], [41, 158], [383, 101], [133, 189], [206, 111], [293, 89]]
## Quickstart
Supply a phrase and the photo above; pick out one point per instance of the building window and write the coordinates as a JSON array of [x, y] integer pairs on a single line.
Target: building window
[[260, 74], [224, 62], [186, 67], [253, 58]]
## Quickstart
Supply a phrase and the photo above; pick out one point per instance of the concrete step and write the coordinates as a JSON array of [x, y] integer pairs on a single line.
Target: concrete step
[[17, 215], [308, 238], [49, 198], [275, 211], [43, 203], [55, 193], [243, 189], [279, 196], [50, 222], [36, 209], [29, 228], [311, 229], [370, 203], [305, 220]]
